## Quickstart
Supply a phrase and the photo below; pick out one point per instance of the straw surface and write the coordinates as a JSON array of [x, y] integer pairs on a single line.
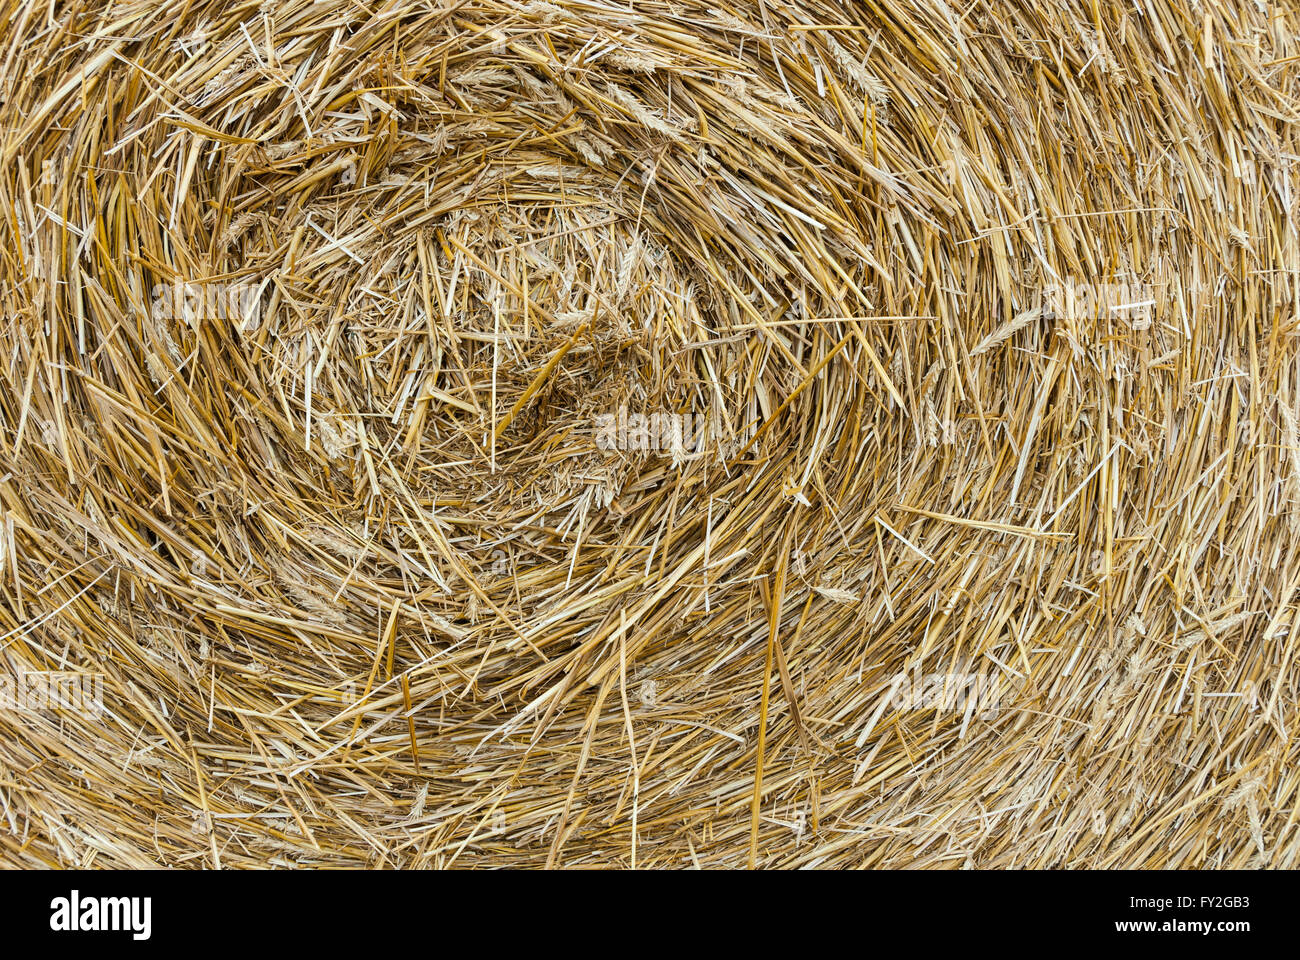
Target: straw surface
[[366, 587]]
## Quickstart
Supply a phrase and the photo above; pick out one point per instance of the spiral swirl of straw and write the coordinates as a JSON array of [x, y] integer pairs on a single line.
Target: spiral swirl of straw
[[808, 433]]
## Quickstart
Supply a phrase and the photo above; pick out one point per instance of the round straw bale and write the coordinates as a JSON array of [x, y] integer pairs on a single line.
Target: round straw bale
[[784, 433]]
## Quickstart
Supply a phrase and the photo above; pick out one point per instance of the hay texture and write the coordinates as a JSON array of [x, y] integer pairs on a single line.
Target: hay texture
[[589, 434]]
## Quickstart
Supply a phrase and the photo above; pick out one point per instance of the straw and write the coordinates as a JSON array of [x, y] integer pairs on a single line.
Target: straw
[[344, 374]]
